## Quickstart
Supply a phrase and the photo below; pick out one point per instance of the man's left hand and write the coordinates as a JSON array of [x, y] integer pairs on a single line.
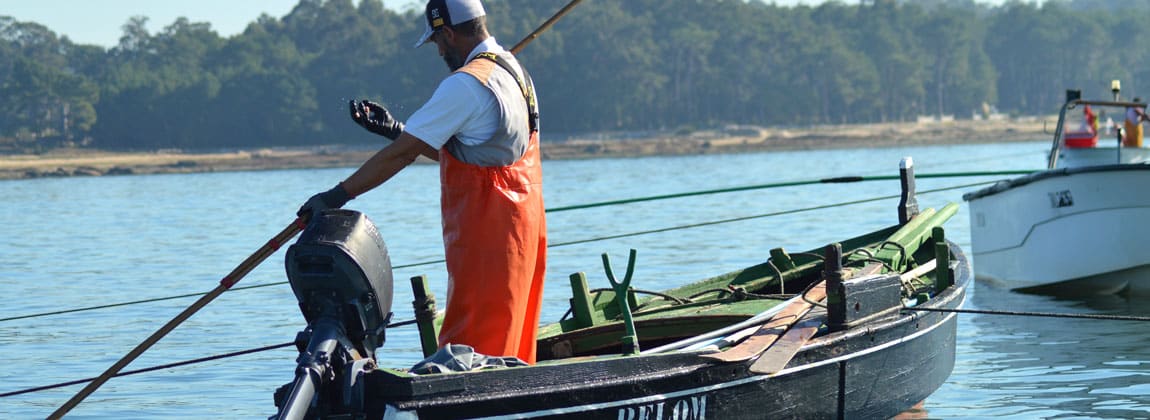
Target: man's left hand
[[375, 118]]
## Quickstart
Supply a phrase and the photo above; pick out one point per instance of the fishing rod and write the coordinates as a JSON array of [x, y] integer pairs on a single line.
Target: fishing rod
[[242, 270]]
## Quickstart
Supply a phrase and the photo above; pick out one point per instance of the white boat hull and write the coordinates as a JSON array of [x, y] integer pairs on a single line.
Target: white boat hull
[[1077, 230], [1100, 156]]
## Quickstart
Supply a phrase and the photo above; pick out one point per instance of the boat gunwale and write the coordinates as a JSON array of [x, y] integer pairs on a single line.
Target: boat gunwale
[[1006, 185]]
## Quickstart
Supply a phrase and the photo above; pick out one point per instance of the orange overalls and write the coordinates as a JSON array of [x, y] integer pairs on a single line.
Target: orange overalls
[[1133, 135], [495, 239]]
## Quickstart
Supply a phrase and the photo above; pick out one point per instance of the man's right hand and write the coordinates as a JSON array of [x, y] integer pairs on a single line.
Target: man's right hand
[[331, 199], [375, 118]]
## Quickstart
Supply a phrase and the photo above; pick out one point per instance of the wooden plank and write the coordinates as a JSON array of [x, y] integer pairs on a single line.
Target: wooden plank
[[776, 357], [773, 329], [785, 348], [919, 271]]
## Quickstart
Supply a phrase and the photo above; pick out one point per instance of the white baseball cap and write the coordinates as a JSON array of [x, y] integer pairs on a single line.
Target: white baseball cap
[[449, 12]]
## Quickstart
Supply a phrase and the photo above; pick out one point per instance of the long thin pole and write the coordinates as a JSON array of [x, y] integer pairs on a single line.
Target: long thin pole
[[226, 283], [244, 268], [545, 26]]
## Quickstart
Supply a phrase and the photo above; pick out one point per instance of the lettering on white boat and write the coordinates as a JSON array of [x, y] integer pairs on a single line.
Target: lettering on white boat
[[1062, 198], [688, 408]]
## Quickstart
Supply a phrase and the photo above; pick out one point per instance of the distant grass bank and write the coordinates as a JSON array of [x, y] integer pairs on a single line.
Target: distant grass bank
[[85, 162]]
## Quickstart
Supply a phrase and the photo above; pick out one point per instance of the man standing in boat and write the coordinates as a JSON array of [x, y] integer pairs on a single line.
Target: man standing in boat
[[1134, 118], [481, 124]]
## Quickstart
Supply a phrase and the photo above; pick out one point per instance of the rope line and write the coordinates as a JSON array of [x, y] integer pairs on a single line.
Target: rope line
[[554, 245], [759, 216], [150, 369], [835, 180], [278, 346], [647, 292], [1035, 314], [160, 299], [174, 364]]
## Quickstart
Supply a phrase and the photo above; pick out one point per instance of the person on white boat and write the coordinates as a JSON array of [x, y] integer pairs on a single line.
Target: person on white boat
[[481, 125], [1091, 120], [1134, 118]]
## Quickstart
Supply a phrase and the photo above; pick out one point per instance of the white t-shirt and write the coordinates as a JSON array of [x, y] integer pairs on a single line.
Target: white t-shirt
[[460, 107]]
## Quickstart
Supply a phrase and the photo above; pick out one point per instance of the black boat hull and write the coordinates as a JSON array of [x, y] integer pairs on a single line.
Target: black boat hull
[[878, 384], [874, 370]]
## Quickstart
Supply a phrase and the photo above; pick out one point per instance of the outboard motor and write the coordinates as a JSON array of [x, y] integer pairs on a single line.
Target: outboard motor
[[341, 274]]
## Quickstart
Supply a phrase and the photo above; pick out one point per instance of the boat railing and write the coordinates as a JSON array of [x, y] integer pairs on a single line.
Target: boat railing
[[1073, 101]]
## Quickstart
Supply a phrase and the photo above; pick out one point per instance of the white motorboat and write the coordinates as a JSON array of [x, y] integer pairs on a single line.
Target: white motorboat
[[1082, 226]]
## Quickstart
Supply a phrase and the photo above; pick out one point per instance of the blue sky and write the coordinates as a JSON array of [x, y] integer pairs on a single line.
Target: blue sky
[[98, 21]]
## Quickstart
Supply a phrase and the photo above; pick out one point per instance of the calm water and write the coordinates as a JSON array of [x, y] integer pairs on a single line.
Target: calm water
[[81, 242]]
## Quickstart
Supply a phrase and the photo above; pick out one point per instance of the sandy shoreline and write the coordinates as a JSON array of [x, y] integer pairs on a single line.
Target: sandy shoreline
[[72, 162]]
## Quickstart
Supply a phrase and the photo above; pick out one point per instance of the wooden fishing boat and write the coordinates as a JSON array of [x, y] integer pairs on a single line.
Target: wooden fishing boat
[[1077, 227], [857, 329]]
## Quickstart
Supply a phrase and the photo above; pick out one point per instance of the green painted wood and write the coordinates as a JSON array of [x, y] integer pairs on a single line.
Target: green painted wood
[[782, 260], [713, 308], [912, 236], [604, 339], [622, 288], [897, 246], [581, 308], [425, 315]]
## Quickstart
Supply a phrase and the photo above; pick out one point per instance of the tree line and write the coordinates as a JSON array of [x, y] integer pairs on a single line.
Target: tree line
[[607, 66]]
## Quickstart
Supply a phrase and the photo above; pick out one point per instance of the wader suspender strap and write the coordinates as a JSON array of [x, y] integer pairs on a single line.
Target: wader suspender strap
[[528, 94]]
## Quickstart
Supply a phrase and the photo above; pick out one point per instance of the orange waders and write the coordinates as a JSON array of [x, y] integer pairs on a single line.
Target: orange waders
[[495, 238], [1133, 134]]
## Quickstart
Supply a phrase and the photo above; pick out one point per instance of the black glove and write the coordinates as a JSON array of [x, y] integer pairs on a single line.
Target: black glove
[[375, 118], [330, 199]]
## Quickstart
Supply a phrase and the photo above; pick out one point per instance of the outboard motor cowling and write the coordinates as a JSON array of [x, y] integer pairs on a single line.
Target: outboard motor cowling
[[341, 259], [341, 275]]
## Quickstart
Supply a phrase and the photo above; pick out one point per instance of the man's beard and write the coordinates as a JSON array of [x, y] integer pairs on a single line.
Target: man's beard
[[453, 59]]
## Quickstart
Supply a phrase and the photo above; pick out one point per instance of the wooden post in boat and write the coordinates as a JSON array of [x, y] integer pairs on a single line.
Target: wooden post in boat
[[908, 204], [836, 292], [865, 296], [943, 278], [581, 308], [424, 303]]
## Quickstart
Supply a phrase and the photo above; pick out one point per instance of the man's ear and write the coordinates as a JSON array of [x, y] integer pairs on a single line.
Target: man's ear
[[448, 33]]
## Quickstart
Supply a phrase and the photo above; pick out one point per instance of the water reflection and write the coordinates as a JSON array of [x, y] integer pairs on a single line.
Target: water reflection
[[1032, 367]]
